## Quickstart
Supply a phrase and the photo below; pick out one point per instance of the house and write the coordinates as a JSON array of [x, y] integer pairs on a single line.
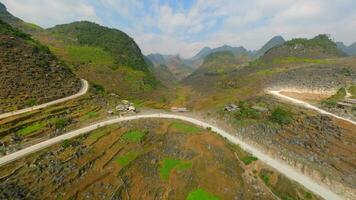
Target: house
[[179, 109]]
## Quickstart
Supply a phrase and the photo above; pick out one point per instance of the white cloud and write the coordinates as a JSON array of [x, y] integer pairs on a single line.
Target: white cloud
[[160, 27], [49, 13]]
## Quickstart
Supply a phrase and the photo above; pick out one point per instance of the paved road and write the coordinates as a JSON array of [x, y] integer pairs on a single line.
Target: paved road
[[278, 165], [81, 92], [307, 105]]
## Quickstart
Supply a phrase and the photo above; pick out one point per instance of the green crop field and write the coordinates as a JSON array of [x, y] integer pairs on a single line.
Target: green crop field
[[186, 128], [127, 158], [133, 136], [32, 128], [200, 194], [169, 164]]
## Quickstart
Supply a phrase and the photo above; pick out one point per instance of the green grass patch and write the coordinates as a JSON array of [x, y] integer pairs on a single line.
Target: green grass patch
[[281, 116], [92, 55], [186, 128], [169, 164], [91, 114], [248, 160], [200, 194], [133, 136], [32, 128], [127, 158]]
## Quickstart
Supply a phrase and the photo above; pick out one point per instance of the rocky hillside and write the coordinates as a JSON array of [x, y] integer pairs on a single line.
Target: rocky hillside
[[319, 47], [105, 56], [123, 48], [30, 73], [217, 66]]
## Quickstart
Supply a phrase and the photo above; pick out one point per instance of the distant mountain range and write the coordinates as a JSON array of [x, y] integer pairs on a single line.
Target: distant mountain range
[[193, 63], [349, 50]]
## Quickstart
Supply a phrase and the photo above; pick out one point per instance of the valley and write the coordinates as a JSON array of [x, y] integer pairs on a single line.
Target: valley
[[84, 114]]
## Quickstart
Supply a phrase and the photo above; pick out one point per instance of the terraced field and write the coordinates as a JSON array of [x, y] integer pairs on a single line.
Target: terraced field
[[147, 159]]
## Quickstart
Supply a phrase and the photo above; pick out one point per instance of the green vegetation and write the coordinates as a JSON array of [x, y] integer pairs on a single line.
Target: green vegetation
[[287, 60], [32, 128], [265, 178], [126, 52], [98, 88], [186, 128], [59, 123], [94, 55], [281, 116], [127, 158], [133, 136], [332, 101], [246, 112], [66, 143], [218, 63], [200, 194], [97, 134], [30, 102], [322, 41], [169, 164], [7, 29], [91, 114], [352, 90], [248, 160]]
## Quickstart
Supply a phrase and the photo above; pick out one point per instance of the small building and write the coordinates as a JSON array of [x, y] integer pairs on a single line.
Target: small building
[[179, 109], [231, 108]]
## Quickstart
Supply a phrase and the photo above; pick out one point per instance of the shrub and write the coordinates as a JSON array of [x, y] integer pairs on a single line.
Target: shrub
[[246, 111], [98, 88], [60, 122], [30, 102], [281, 116], [332, 101]]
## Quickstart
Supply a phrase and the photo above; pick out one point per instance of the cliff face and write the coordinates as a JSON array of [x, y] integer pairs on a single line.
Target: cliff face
[[30, 74]]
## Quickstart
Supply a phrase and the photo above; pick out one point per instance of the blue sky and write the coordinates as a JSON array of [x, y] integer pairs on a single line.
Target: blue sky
[[185, 26]]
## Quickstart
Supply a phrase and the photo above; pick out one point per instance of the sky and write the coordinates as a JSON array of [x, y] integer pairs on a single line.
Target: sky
[[185, 26]]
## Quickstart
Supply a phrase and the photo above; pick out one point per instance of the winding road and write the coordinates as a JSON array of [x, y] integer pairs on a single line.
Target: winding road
[[278, 165], [82, 91], [281, 166], [277, 93]]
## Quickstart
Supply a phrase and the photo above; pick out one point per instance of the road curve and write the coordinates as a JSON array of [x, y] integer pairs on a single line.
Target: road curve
[[278, 165], [307, 105], [82, 91]]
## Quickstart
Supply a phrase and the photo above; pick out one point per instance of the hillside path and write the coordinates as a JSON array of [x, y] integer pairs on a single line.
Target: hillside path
[[277, 93], [82, 91]]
